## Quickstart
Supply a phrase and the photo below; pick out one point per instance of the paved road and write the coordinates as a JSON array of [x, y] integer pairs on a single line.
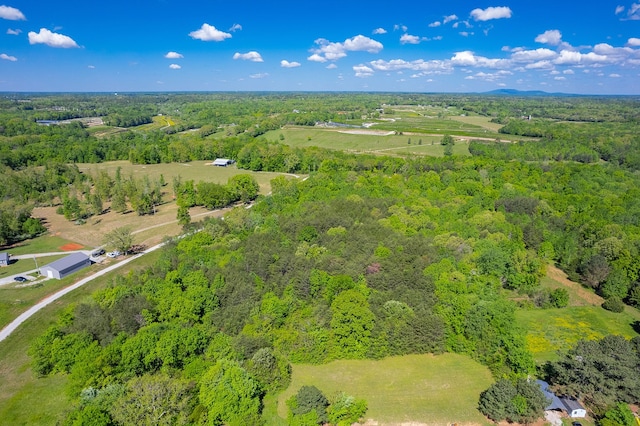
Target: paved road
[[5, 332]]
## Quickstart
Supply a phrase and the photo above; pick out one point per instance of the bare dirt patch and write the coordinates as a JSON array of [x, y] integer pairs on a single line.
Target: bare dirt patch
[[71, 247], [574, 288]]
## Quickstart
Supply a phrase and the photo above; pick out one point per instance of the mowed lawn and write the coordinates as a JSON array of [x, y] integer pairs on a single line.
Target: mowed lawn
[[441, 389]]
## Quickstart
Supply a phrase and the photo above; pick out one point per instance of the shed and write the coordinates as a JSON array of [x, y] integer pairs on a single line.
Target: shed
[[574, 408], [65, 266], [4, 259], [563, 403], [222, 162]]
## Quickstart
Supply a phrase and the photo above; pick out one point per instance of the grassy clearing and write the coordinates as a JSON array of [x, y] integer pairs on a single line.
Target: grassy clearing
[[340, 140], [42, 244], [477, 120], [25, 399], [19, 266], [441, 389], [552, 330]]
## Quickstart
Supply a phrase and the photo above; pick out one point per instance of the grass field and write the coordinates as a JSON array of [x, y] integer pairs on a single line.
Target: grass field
[[24, 399], [371, 143], [553, 330], [438, 390]]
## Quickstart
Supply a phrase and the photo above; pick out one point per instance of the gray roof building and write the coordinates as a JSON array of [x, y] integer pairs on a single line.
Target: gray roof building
[[65, 266], [4, 259]]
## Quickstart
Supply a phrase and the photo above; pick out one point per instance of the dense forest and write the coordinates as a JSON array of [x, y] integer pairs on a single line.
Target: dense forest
[[370, 256]]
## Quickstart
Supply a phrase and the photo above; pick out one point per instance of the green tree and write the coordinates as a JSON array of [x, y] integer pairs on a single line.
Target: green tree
[[120, 239], [351, 325], [619, 415], [184, 218], [230, 395], [309, 399], [154, 400], [243, 187]]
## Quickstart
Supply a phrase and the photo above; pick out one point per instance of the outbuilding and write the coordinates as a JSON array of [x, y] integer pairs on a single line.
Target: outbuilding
[[562, 403], [222, 162], [4, 259], [65, 266]]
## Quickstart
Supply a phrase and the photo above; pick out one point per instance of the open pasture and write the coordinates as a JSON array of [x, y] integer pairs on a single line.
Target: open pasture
[[399, 390], [365, 141]]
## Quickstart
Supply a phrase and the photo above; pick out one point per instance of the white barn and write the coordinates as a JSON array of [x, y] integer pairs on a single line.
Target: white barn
[[222, 162], [65, 266]]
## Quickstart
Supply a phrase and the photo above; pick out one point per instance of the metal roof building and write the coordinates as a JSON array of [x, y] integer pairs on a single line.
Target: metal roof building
[[65, 266]]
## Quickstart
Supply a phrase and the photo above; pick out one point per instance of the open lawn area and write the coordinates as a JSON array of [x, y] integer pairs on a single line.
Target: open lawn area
[[425, 389], [365, 141], [552, 330]]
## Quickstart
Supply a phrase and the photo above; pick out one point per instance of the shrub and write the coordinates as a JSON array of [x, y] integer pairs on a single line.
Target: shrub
[[613, 304]]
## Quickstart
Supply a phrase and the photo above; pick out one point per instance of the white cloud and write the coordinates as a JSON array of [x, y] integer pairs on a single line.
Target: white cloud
[[11, 14], [426, 67], [91, 67], [449, 18], [491, 13], [209, 33], [465, 33], [332, 51], [379, 31], [402, 28], [316, 58], [634, 12], [574, 58], [332, 66], [235, 27], [540, 65], [552, 37], [51, 39], [287, 64], [362, 71], [410, 39], [533, 55], [435, 24], [175, 66], [615, 75], [568, 72], [560, 78], [633, 41], [13, 32], [468, 58], [252, 56], [7, 57], [619, 9], [173, 55], [260, 75]]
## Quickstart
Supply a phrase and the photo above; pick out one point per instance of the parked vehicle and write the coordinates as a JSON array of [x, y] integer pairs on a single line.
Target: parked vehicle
[[98, 253], [20, 279], [114, 253]]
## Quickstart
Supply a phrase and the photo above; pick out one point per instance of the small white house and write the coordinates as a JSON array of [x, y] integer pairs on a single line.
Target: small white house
[[65, 266], [222, 162], [574, 408], [4, 259]]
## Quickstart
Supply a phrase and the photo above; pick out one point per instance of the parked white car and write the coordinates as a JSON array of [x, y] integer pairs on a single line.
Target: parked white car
[[114, 253]]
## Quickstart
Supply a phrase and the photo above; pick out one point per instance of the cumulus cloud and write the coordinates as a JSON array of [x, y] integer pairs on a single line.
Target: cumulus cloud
[[259, 75], [619, 9], [235, 27], [175, 66], [410, 39], [568, 57], [252, 56], [287, 64], [332, 66], [614, 75], [491, 13], [552, 37], [13, 32], [11, 14], [532, 55], [435, 24], [173, 55], [51, 39], [362, 71], [633, 13], [332, 51], [399, 27], [379, 31], [633, 41], [209, 33], [7, 57], [449, 18]]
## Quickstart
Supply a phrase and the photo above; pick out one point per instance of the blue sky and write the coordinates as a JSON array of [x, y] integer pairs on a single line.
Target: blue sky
[[409, 46]]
